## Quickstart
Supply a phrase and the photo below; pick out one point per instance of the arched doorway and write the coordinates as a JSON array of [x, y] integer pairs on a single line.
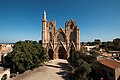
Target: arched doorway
[[62, 53], [4, 77], [50, 53]]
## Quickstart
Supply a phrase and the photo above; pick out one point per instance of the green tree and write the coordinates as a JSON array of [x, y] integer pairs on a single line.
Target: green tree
[[108, 46], [40, 41], [116, 43], [26, 55], [72, 54], [84, 65], [97, 41], [82, 69], [71, 59]]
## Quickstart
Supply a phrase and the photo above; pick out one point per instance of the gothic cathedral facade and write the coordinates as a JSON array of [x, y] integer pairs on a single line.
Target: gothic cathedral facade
[[58, 42]]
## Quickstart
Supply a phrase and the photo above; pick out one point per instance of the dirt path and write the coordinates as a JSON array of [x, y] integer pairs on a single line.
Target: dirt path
[[54, 70]]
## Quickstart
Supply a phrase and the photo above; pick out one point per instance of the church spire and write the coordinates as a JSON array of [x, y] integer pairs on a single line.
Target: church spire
[[44, 15]]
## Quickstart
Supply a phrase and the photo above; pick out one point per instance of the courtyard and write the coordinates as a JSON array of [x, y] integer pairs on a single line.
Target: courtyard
[[53, 70]]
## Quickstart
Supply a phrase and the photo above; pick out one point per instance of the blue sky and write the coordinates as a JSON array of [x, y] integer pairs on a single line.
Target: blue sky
[[21, 19]]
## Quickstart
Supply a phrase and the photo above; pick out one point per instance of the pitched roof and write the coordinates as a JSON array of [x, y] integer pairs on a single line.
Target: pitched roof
[[110, 63]]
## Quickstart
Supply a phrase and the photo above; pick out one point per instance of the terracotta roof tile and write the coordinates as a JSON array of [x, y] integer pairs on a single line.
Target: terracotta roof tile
[[110, 63]]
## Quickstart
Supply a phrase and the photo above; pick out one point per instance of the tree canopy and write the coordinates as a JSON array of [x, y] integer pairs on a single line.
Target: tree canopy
[[83, 65], [26, 55]]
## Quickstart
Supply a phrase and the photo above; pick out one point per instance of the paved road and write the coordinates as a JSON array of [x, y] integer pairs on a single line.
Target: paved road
[[54, 70]]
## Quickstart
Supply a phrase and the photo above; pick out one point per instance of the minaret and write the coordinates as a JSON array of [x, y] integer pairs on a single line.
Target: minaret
[[44, 15], [44, 22]]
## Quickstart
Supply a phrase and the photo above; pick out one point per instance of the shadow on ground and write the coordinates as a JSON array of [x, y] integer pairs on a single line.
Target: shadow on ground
[[63, 73]]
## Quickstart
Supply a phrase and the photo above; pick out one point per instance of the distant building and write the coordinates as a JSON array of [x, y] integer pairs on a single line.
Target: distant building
[[106, 54], [115, 53], [109, 69], [4, 49], [88, 48], [58, 42]]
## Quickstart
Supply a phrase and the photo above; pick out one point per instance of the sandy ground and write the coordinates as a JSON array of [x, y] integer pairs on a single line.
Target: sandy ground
[[53, 70]]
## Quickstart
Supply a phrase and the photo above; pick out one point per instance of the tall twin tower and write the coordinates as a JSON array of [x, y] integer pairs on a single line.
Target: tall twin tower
[[59, 42]]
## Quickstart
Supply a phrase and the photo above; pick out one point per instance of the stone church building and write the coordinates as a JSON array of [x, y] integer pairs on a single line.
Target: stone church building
[[58, 42]]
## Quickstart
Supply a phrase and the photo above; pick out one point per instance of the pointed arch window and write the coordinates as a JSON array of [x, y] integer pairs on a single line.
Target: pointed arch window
[[61, 37], [50, 36]]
